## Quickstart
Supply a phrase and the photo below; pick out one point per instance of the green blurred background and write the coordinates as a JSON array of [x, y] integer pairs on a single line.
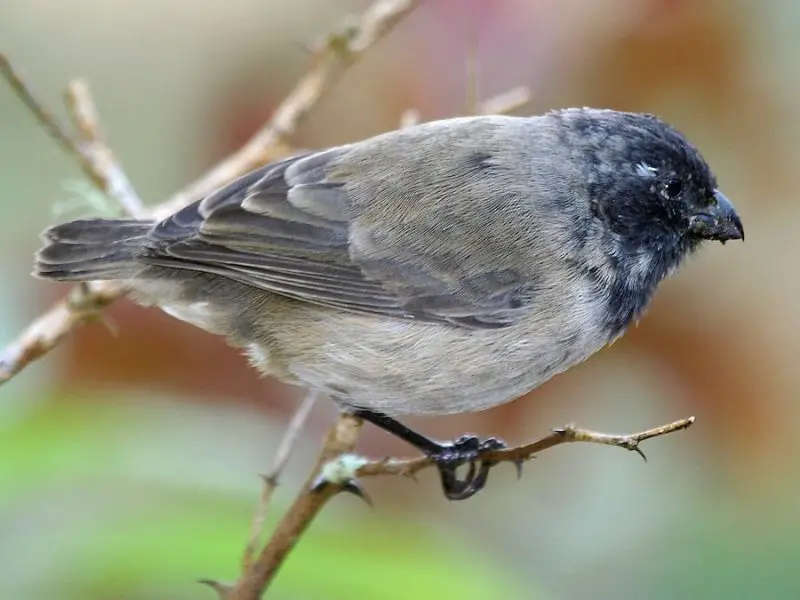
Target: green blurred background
[[128, 463]]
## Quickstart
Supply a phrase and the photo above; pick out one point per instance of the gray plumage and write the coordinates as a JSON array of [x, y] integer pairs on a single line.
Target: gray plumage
[[442, 268]]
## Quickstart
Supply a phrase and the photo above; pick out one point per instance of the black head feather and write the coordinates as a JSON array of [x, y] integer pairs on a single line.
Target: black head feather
[[644, 178], [644, 181]]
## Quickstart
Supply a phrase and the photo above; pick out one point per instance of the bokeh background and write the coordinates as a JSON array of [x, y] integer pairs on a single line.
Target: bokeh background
[[128, 463]]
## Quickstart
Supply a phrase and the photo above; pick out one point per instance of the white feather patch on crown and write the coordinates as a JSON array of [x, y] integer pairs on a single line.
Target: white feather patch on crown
[[646, 170]]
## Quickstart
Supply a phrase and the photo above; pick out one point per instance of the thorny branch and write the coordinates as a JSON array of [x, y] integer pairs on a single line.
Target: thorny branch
[[563, 435], [279, 463], [340, 441], [339, 471]]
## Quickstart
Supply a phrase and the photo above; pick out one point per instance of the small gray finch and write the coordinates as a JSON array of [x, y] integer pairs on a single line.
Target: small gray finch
[[443, 268]]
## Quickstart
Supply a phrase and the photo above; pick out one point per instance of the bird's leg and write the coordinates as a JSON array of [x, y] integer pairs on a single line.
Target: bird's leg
[[448, 456]]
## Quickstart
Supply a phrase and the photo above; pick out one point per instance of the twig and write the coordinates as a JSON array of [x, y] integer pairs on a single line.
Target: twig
[[565, 435], [341, 439], [46, 332], [502, 104], [46, 119], [96, 160], [280, 460], [409, 118], [339, 444], [102, 165], [507, 102], [472, 86], [341, 50]]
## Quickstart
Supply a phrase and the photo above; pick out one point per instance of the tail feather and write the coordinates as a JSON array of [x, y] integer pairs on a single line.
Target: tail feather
[[91, 249]]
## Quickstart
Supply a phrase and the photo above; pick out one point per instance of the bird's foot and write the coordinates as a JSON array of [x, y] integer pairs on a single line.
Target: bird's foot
[[465, 450], [448, 456]]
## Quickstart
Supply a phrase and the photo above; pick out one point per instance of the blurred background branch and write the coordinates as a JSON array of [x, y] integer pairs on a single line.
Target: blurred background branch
[[341, 439], [95, 158], [271, 478]]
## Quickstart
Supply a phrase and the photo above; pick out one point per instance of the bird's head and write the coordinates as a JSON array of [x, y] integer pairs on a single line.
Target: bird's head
[[648, 184]]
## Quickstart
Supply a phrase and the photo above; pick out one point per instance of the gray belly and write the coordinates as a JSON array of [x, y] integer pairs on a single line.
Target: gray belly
[[398, 367], [393, 366]]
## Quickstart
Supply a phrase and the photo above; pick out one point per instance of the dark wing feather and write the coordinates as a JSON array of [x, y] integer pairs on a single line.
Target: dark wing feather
[[286, 228]]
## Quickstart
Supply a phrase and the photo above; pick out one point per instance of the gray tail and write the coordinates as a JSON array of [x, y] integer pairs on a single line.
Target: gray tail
[[91, 249]]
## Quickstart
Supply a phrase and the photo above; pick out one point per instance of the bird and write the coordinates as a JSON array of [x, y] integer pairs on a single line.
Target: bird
[[448, 267]]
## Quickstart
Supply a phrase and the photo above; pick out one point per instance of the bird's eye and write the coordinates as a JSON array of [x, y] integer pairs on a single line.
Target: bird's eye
[[673, 187]]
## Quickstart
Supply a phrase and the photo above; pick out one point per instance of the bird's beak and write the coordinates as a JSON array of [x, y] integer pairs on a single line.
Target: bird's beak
[[718, 222]]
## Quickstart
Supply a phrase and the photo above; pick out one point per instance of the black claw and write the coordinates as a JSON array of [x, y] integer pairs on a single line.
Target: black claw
[[465, 450], [639, 452], [518, 465]]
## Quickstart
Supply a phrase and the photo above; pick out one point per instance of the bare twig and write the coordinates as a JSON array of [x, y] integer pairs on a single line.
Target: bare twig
[[472, 86], [409, 118], [46, 332], [339, 444], [341, 439], [507, 102], [341, 50], [96, 160], [46, 119], [102, 165], [502, 104], [280, 460], [563, 435]]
